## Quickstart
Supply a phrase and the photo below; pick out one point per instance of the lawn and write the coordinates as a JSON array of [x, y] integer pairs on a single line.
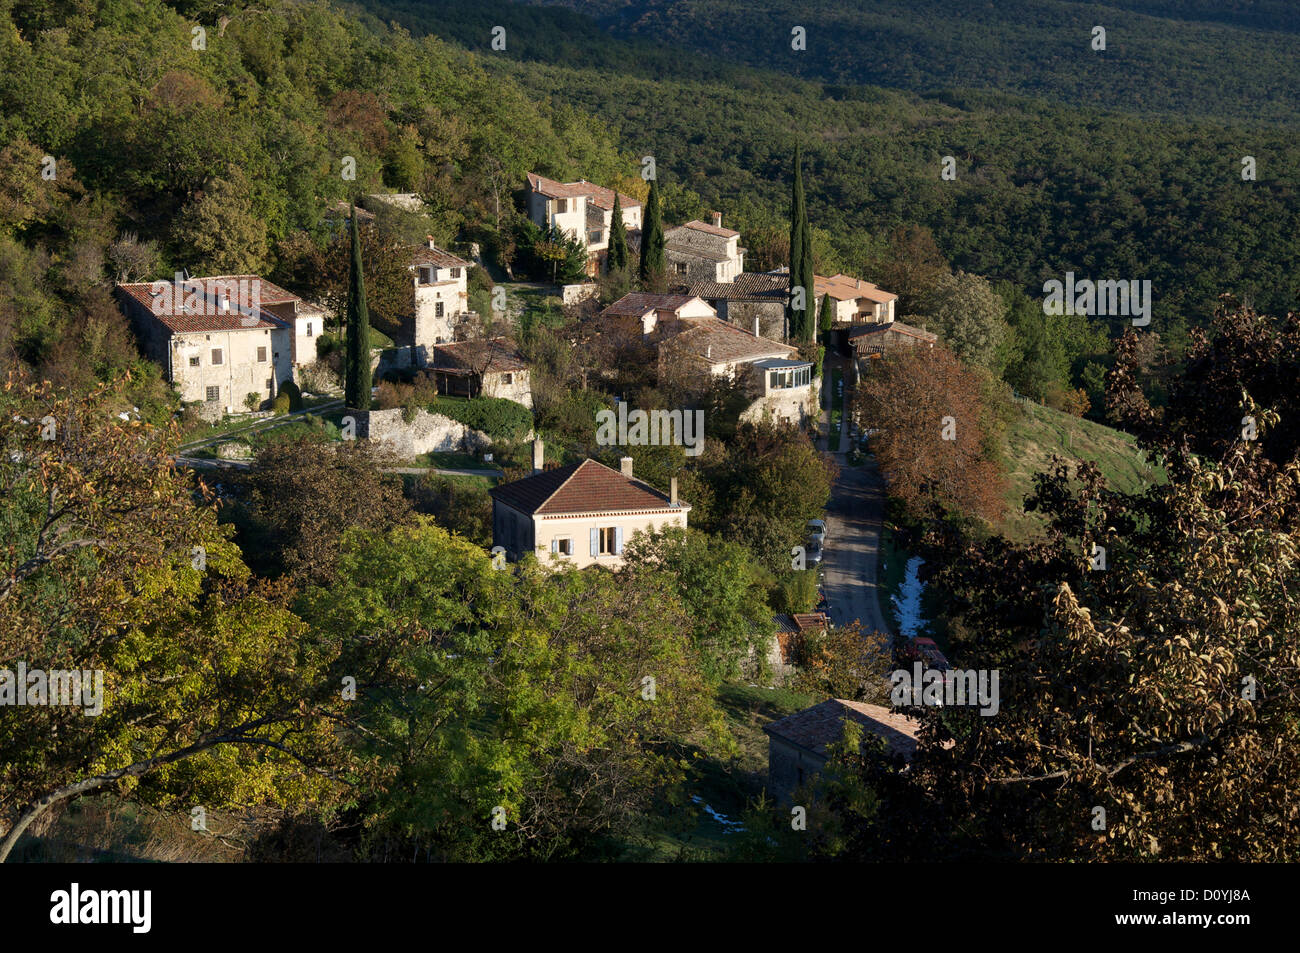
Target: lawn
[[1038, 432]]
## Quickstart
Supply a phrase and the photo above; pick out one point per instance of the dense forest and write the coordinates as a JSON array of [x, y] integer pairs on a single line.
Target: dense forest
[[1102, 189]]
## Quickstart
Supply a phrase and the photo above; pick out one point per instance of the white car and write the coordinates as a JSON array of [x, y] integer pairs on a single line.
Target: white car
[[817, 532]]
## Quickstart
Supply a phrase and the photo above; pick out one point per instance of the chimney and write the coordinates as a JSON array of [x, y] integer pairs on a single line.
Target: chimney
[[625, 467], [756, 334], [539, 455], [708, 352], [672, 491], [717, 219], [429, 241]]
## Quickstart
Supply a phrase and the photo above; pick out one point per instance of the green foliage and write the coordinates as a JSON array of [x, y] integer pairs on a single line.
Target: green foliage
[[497, 417], [295, 394], [282, 403], [726, 606], [651, 267], [802, 323], [618, 254], [357, 372]]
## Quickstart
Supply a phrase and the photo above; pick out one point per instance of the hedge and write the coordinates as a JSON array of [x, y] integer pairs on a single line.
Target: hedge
[[499, 418]]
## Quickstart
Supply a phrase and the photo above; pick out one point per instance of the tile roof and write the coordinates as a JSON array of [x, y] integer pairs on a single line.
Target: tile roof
[[747, 286], [694, 251], [598, 194], [636, 303], [817, 728], [586, 487], [426, 255], [467, 356], [721, 343], [867, 330], [843, 288], [341, 208], [708, 229], [239, 319]]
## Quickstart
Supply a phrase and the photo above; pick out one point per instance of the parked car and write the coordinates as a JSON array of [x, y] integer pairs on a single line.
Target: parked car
[[817, 532], [814, 554]]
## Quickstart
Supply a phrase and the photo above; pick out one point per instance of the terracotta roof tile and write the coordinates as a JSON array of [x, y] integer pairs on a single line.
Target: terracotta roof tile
[[586, 487], [817, 728], [636, 303], [499, 354], [721, 343], [238, 319]]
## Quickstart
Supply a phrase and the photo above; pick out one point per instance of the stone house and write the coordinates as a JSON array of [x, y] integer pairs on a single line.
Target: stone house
[[798, 744], [752, 300], [869, 342], [645, 313], [583, 210], [855, 301], [698, 251], [779, 381], [484, 368], [582, 514], [219, 339], [441, 296]]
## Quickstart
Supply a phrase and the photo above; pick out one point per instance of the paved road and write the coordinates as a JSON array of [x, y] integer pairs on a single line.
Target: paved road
[[854, 519]]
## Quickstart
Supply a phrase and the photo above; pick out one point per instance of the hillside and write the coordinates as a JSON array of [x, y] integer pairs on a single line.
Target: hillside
[[1036, 433]]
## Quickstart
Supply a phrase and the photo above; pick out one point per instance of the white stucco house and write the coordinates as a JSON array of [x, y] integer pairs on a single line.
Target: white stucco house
[[583, 210], [583, 514]]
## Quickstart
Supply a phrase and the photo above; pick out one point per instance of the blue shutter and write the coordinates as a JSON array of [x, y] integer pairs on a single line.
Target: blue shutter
[[618, 541], [595, 542]]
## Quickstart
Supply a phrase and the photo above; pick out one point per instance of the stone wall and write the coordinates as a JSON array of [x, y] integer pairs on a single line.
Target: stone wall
[[424, 434]]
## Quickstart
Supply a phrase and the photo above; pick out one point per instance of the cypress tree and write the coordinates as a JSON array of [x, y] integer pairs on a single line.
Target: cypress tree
[[827, 319], [809, 280], [356, 380], [652, 237], [798, 319], [617, 259]]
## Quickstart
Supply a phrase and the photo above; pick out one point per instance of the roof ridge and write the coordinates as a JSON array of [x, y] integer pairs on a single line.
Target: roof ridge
[[565, 483]]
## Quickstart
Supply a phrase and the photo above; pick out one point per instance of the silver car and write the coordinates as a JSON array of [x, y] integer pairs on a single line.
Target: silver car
[[817, 532]]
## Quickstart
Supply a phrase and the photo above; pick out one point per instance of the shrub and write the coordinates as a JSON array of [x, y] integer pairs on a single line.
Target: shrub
[[295, 395], [252, 400], [281, 403], [497, 417]]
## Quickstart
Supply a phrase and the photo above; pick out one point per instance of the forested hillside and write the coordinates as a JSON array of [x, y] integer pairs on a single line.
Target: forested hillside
[[1041, 187]]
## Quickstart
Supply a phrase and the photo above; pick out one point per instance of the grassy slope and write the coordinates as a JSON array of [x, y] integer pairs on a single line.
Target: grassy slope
[[1037, 432]]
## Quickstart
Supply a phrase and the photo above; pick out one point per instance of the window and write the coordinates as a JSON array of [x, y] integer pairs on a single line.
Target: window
[[562, 545], [610, 542], [438, 309], [561, 206], [214, 394], [194, 360], [308, 329], [680, 266], [507, 378], [789, 377], [455, 272], [270, 382], [216, 355], [261, 355], [594, 237]]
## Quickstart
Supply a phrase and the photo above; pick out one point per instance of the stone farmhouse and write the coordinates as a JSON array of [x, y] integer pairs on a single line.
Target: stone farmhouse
[[441, 296], [870, 341], [798, 744], [643, 312], [698, 251], [484, 368], [780, 382], [221, 338], [752, 300], [582, 514], [583, 210]]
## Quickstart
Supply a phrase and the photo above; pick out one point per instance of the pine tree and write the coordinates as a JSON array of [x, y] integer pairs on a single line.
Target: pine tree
[[798, 320], [356, 368], [652, 237], [617, 259]]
